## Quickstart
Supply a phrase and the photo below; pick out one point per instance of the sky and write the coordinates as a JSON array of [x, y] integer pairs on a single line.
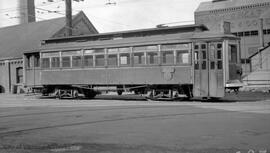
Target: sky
[[123, 15]]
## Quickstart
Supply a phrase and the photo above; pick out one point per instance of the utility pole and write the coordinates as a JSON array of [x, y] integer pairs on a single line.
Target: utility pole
[[68, 18]]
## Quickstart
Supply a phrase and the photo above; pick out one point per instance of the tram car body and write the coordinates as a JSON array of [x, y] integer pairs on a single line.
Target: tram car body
[[162, 62]]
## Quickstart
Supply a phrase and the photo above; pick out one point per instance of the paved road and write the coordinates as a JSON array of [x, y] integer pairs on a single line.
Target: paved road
[[30, 125]]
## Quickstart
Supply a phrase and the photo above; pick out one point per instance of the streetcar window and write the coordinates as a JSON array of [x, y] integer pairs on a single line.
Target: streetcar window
[[138, 58], [196, 66], [152, 58], [88, 52], [124, 59], [196, 55], [112, 60], [45, 62], [203, 65], [76, 61], [28, 61], [232, 54], [203, 46], [219, 46], [219, 64], [113, 50], [55, 62], [66, 61], [182, 57], [175, 47], [50, 54], [203, 54], [88, 61], [145, 48], [67, 53], [151, 48], [100, 60], [167, 57], [212, 52], [219, 54], [126, 49], [36, 61], [99, 50], [151, 55], [212, 65]]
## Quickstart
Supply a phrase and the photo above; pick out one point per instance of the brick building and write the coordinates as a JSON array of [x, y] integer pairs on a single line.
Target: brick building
[[249, 20]]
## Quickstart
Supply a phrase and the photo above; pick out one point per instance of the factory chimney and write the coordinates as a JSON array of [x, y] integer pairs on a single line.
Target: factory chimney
[[68, 17], [27, 11]]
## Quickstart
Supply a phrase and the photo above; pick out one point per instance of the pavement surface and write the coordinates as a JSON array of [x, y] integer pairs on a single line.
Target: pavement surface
[[113, 124]]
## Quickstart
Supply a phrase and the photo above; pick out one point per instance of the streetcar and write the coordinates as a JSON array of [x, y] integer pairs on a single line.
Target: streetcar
[[159, 63]]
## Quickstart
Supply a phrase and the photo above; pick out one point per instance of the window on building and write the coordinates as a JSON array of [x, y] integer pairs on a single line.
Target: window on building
[[88, 61], [66, 62], [76, 61], [19, 75], [100, 60], [254, 33], [45, 63], [240, 34], [247, 33], [55, 62], [245, 61], [268, 31]]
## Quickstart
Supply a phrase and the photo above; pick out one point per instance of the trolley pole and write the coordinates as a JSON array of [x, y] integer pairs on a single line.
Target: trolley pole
[[68, 18]]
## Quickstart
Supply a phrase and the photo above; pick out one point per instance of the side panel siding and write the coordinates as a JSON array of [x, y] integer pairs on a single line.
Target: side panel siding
[[111, 76]]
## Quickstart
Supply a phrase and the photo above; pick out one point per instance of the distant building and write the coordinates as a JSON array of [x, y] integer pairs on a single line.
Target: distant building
[[244, 16], [16, 40], [260, 66]]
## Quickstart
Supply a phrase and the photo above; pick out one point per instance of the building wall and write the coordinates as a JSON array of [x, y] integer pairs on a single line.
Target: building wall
[[8, 78], [4, 77], [244, 23], [261, 61]]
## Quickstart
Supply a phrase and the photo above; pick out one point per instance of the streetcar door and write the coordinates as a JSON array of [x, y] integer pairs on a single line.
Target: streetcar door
[[208, 70], [201, 85], [216, 76]]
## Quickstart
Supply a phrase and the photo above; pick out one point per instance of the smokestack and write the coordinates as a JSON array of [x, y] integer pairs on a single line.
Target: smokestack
[[27, 11], [68, 18]]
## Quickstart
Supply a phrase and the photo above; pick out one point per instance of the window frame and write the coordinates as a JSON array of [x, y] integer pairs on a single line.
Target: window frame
[[57, 63], [143, 59], [125, 51], [42, 62], [188, 52], [62, 62]]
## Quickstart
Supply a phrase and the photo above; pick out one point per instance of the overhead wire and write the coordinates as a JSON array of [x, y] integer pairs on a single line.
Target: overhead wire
[[98, 18]]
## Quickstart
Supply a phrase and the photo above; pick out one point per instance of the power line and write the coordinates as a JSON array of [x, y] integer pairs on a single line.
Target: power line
[[43, 19]]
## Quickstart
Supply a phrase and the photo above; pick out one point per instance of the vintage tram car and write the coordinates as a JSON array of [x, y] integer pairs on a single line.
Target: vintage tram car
[[161, 62]]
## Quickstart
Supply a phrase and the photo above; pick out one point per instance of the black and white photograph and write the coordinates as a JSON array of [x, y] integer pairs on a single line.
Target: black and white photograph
[[134, 76]]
